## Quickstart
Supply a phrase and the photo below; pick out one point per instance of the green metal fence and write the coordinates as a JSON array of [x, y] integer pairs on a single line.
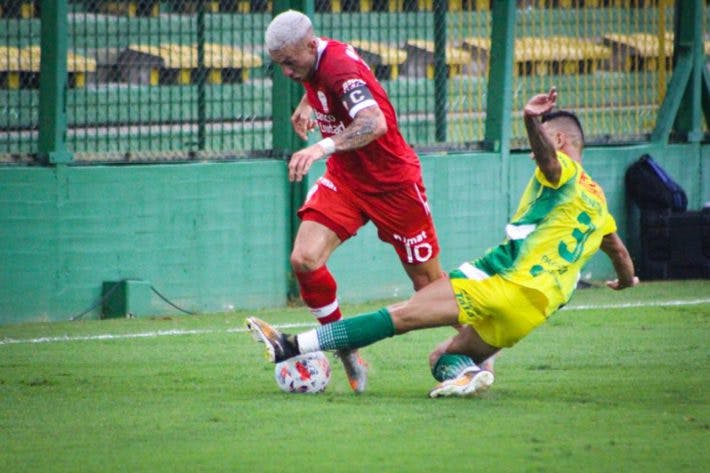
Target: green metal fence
[[146, 80], [19, 80], [190, 79]]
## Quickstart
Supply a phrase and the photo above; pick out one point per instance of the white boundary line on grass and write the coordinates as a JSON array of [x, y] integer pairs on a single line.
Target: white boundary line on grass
[[151, 334], [627, 305], [179, 332]]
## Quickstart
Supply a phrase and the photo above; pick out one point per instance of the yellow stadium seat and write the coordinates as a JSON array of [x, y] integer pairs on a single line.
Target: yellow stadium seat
[[129, 8], [176, 64], [420, 56], [542, 56], [640, 51], [16, 63], [383, 58]]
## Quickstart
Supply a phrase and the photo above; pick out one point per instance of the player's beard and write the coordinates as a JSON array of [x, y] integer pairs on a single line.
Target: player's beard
[[311, 72]]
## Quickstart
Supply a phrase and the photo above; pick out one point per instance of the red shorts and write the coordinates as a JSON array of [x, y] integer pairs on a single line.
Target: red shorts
[[402, 216]]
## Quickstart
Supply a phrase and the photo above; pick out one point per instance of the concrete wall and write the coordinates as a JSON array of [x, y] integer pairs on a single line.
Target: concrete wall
[[207, 236], [216, 236]]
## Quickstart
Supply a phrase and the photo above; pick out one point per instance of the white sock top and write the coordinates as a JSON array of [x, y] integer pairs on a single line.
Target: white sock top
[[308, 342]]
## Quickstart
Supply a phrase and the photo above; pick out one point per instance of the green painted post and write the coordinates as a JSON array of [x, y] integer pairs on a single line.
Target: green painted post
[[499, 100], [440, 72], [201, 77], [690, 37], [286, 96], [686, 97], [53, 85], [705, 86], [500, 76]]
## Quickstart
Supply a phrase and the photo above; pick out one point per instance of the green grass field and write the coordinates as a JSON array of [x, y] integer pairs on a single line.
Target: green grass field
[[616, 382]]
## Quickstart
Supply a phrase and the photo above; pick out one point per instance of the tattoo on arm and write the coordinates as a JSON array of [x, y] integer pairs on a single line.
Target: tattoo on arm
[[363, 130]]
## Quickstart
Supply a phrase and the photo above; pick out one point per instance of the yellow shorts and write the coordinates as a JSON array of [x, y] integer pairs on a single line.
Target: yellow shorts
[[500, 311]]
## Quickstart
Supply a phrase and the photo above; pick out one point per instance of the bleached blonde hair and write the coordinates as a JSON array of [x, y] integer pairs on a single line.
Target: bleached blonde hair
[[287, 28]]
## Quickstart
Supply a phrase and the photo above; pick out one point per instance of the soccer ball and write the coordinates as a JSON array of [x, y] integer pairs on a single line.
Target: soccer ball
[[309, 373]]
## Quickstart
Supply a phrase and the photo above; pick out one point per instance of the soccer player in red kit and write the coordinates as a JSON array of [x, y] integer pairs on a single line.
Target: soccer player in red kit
[[371, 172]]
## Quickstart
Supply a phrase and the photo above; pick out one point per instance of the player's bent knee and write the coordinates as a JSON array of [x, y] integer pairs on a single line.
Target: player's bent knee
[[418, 283], [305, 262], [425, 274]]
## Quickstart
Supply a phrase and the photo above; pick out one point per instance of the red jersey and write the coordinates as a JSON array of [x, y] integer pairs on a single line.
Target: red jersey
[[381, 165]]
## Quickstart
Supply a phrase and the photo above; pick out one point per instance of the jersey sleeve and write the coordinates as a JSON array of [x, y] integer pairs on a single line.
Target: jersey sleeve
[[609, 224], [569, 170], [346, 81]]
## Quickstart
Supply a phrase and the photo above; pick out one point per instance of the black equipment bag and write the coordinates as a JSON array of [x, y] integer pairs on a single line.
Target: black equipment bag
[[651, 188], [675, 245]]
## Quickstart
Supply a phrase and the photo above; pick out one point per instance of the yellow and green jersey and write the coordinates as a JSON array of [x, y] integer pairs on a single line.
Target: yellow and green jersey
[[553, 233]]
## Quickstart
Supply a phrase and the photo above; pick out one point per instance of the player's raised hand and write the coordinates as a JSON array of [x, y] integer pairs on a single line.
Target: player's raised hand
[[541, 103]]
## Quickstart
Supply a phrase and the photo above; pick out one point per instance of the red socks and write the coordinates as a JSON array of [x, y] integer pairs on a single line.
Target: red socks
[[318, 290]]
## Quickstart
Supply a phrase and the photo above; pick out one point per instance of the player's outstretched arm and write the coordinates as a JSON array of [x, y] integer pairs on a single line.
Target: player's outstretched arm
[[543, 149], [614, 247]]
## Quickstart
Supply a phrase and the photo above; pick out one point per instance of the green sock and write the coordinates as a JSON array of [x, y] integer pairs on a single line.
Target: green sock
[[450, 365], [356, 332]]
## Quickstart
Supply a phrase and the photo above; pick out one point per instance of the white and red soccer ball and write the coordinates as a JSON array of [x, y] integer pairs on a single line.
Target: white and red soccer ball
[[309, 373]]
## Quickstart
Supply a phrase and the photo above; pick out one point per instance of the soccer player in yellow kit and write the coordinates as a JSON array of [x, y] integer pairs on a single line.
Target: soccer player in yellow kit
[[494, 301]]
